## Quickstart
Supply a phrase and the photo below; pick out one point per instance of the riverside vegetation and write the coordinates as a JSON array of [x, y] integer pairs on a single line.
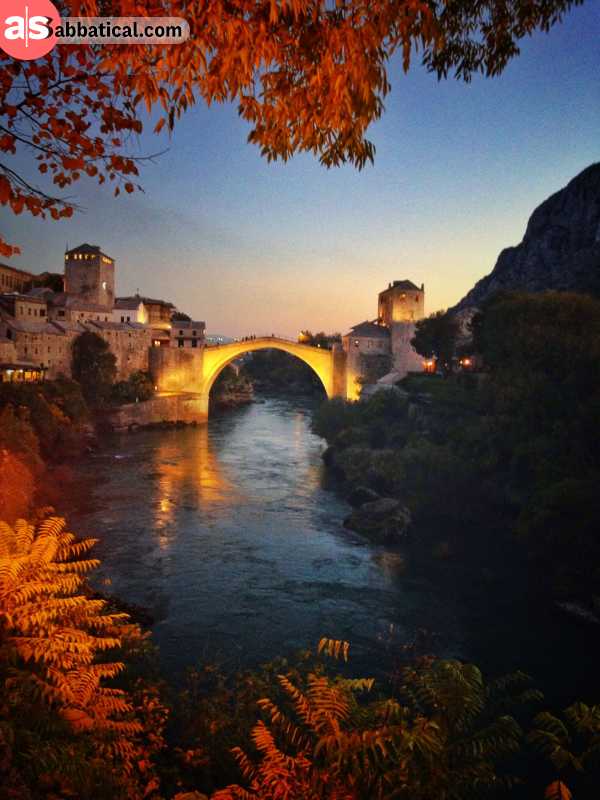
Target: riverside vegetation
[[84, 715], [504, 460]]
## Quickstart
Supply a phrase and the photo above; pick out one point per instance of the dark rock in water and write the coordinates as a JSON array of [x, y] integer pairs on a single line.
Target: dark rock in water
[[381, 508], [385, 520], [560, 249], [361, 495]]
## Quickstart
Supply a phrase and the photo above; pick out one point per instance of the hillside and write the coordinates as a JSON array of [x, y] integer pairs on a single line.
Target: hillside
[[560, 249]]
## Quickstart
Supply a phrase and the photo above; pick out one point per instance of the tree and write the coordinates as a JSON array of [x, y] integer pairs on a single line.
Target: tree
[[435, 337], [307, 75], [179, 316], [94, 366]]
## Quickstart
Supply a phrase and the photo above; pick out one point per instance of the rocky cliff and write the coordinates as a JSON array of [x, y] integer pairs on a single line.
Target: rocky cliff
[[560, 249]]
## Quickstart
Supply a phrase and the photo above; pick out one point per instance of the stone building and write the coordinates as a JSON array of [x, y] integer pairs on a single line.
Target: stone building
[[39, 327], [90, 275], [399, 308], [66, 308], [402, 301], [187, 333], [130, 309], [158, 316], [129, 341], [22, 306], [42, 344], [11, 369], [13, 279]]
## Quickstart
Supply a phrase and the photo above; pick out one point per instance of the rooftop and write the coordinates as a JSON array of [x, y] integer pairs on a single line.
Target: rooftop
[[146, 300], [18, 296], [404, 284], [370, 330]]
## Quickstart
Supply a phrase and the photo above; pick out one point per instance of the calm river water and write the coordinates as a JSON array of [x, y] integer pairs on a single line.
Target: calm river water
[[228, 534]]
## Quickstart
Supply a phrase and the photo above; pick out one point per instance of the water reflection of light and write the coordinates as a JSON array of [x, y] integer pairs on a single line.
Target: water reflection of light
[[189, 474]]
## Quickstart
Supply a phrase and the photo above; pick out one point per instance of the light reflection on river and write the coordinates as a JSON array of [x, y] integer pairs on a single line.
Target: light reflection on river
[[227, 534]]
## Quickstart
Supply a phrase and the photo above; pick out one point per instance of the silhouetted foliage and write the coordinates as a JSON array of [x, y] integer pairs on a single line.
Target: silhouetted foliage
[[435, 337], [94, 367]]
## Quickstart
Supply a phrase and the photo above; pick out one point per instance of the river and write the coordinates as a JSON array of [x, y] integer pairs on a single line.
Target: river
[[229, 535]]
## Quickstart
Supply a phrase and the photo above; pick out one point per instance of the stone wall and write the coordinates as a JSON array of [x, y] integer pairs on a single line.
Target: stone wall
[[185, 408], [404, 358], [177, 369]]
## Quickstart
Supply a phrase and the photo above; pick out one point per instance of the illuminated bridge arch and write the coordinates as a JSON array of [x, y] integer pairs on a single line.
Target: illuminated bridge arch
[[321, 361]]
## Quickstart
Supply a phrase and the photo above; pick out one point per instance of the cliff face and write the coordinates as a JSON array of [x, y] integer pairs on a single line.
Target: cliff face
[[560, 249]]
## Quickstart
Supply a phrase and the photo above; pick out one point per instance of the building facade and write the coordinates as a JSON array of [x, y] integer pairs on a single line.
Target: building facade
[[187, 333], [38, 328], [90, 276], [399, 308]]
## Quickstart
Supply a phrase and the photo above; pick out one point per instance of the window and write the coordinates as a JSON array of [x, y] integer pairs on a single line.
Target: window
[[122, 319], [179, 342], [193, 333], [194, 342]]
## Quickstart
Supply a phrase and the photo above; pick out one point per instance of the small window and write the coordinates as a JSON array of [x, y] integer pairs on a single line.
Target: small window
[[194, 342], [179, 342]]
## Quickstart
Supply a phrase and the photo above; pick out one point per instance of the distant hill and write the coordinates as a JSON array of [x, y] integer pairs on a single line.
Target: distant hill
[[560, 249]]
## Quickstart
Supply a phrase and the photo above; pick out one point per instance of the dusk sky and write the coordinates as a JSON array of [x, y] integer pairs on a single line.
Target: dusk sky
[[255, 247]]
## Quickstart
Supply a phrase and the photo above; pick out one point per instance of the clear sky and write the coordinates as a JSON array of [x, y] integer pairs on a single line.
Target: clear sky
[[255, 247]]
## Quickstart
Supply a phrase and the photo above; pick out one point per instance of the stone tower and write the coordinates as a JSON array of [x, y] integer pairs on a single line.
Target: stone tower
[[90, 275], [400, 306], [402, 301]]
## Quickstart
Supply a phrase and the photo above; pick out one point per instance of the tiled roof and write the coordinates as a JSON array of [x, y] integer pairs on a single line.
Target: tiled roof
[[19, 296], [405, 284], [84, 248], [128, 303], [114, 326], [30, 326], [369, 330], [42, 292], [147, 300]]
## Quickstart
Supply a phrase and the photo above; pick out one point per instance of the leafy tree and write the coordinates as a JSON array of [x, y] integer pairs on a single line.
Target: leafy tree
[[137, 388], [435, 337], [570, 743], [94, 367], [446, 737], [66, 730], [308, 76]]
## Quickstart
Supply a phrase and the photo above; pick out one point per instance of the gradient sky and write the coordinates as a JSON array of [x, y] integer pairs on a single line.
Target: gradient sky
[[255, 247]]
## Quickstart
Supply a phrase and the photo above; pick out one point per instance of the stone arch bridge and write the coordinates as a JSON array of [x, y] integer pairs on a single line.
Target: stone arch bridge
[[184, 376]]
